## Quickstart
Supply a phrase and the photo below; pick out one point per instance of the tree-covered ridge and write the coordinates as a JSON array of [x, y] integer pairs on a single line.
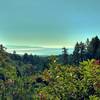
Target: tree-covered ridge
[[63, 77]]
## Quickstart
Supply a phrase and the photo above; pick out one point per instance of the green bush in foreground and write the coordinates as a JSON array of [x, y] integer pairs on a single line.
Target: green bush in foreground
[[72, 83]]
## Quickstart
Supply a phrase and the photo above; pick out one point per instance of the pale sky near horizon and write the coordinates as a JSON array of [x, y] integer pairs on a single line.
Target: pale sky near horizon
[[50, 23]]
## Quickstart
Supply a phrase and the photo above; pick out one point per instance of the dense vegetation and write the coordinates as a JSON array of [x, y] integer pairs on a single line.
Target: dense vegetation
[[62, 77]]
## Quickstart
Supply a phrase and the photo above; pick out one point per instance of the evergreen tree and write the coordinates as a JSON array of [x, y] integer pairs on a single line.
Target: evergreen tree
[[87, 42], [65, 56], [82, 51], [93, 47], [15, 56], [3, 55], [98, 53], [76, 55], [25, 58]]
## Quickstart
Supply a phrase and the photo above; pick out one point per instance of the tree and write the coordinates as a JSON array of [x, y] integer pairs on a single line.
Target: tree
[[98, 53], [25, 58], [15, 56], [3, 53], [87, 42], [65, 56], [93, 47], [82, 51], [76, 55]]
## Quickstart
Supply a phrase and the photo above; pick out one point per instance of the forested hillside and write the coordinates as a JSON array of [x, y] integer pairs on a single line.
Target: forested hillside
[[64, 77]]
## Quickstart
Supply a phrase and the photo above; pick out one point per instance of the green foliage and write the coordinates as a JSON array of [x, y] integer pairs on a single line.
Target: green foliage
[[94, 98], [72, 83], [57, 82]]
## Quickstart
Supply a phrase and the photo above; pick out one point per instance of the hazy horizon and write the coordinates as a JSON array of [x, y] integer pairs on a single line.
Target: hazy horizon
[[41, 51]]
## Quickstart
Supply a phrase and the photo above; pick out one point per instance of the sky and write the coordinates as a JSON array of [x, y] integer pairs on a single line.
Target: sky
[[48, 23]]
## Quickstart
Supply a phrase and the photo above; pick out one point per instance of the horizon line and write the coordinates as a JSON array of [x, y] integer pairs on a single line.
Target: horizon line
[[26, 46]]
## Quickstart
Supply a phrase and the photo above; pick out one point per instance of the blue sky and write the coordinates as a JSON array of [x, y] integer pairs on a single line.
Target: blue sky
[[50, 23]]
